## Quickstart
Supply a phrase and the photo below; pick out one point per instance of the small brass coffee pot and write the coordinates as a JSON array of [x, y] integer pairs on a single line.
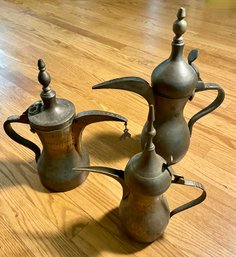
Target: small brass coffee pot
[[173, 83], [143, 210], [60, 131]]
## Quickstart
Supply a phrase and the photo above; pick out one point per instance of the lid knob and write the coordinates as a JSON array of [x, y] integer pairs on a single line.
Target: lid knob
[[48, 95], [44, 77], [179, 26]]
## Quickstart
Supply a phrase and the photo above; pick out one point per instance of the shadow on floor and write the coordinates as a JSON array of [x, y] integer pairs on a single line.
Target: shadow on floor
[[101, 147], [104, 237], [13, 173], [104, 146], [107, 235]]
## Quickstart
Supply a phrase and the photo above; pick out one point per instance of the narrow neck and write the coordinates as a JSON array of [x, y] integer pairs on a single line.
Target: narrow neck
[[58, 141], [177, 51], [168, 109], [49, 99]]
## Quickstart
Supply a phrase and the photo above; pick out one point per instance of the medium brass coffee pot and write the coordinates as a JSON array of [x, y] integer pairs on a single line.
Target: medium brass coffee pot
[[144, 211], [60, 131], [173, 83]]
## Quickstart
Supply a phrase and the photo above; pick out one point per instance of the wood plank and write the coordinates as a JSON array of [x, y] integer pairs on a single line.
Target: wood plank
[[87, 42]]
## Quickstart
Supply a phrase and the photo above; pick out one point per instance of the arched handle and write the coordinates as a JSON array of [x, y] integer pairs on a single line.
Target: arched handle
[[201, 86], [181, 181], [16, 137]]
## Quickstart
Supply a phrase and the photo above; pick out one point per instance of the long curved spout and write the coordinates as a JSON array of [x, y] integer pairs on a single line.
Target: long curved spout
[[133, 84], [114, 173], [85, 118]]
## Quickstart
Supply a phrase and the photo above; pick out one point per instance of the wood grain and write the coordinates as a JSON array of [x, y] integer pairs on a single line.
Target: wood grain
[[84, 43]]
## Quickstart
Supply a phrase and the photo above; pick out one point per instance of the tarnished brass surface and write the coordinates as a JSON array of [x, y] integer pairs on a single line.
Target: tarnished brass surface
[[144, 211], [173, 83], [60, 131]]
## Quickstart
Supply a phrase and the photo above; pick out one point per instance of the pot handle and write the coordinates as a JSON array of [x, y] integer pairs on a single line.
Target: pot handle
[[201, 86], [182, 181], [16, 137]]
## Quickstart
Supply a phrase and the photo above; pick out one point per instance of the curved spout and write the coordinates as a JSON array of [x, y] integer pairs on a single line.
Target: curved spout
[[133, 84], [85, 118], [114, 173]]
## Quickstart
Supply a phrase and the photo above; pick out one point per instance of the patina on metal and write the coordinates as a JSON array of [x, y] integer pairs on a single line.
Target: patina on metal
[[60, 131], [144, 211], [173, 83]]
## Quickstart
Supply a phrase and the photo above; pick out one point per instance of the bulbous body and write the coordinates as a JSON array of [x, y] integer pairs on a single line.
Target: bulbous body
[[145, 213], [173, 137], [144, 218], [173, 83], [58, 157]]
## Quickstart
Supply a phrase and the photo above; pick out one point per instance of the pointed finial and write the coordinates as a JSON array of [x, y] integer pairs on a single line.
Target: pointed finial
[[151, 132], [44, 77], [48, 96], [179, 26]]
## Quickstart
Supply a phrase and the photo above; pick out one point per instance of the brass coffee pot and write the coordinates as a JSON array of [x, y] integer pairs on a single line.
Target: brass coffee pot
[[60, 131], [173, 83], [144, 211]]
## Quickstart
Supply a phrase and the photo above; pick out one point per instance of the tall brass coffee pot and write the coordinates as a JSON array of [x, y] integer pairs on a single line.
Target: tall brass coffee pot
[[60, 131], [173, 83], [143, 210]]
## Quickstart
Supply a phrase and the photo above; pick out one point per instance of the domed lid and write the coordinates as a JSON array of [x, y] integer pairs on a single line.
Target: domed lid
[[175, 78], [51, 113], [147, 171]]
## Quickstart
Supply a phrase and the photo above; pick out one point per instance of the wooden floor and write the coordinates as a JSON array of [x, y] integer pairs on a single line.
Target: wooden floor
[[87, 42]]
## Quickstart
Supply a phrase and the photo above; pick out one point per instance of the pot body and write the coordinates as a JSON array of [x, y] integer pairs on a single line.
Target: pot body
[[144, 217], [58, 157], [173, 136]]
